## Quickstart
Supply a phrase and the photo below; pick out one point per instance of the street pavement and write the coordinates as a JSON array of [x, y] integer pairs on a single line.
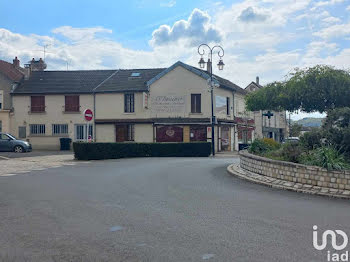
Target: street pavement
[[158, 209]]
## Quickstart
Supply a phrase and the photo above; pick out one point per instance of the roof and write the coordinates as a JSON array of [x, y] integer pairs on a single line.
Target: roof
[[224, 83], [57, 82], [10, 71], [254, 84], [86, 81], [122, 81], [104, 81]]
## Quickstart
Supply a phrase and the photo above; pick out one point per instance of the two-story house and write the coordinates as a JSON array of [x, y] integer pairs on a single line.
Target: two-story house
[[135, 105], [270, 124], [10, 76]]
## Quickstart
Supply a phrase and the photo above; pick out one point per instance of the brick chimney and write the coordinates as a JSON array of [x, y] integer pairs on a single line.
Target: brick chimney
[[37, 65], [257, 80], [16, 62], [209, 66]]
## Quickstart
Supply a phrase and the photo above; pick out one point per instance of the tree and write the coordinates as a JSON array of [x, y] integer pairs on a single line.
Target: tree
[[320, 88], [295, 130]]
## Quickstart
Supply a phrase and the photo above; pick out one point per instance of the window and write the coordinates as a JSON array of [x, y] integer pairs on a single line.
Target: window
[[22, 132], [0, 126], [80, 132], [37, 104], [1, 100], [124, 133], [196, 103], [135, 74], [4, 137], [71, 104], [37, 129], [59, 129], [228, 111], [129, 103], [130, 132]]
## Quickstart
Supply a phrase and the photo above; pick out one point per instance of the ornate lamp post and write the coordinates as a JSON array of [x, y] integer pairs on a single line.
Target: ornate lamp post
[[201, 51]]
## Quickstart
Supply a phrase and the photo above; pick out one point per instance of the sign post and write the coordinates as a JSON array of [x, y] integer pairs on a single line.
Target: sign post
[[88, 115]]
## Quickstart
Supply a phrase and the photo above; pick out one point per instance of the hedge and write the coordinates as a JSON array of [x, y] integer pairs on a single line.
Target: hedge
[[97, 151]]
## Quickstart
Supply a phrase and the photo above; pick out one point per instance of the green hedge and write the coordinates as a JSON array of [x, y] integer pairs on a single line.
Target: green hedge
[[96, 151]]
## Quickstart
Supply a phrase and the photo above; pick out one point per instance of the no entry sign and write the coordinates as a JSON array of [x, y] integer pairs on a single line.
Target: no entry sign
[[88, 115]]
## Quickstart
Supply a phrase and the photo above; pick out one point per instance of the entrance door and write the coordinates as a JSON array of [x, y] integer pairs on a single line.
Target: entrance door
[[225, 138], [120, 133]]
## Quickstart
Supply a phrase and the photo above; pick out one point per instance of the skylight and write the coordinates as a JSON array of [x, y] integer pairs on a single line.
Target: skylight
[[135, 74]]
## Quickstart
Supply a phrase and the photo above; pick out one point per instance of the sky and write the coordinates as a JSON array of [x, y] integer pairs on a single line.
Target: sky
[[265, 38]]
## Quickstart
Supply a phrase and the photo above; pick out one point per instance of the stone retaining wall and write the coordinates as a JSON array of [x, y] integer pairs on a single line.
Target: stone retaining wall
[[309, 175]]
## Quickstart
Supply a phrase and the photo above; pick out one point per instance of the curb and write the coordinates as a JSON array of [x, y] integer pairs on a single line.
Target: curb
[[235, 170]]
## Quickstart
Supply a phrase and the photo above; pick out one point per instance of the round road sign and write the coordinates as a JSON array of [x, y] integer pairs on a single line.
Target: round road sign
[[88, 115]]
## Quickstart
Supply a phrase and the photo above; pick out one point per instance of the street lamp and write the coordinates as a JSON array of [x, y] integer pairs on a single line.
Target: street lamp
[[201, 51]]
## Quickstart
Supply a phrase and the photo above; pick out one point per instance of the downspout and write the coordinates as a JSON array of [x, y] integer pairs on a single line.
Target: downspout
[[94, 100]]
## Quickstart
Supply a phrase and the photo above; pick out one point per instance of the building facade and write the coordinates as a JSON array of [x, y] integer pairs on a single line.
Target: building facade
[[10, 76], [139, 105], [269, 124]]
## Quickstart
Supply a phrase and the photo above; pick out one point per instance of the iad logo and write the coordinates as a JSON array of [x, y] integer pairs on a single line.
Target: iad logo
[[332, 256]]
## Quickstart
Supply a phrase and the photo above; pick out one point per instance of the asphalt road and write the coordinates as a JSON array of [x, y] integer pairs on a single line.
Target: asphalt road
[[171, 209]]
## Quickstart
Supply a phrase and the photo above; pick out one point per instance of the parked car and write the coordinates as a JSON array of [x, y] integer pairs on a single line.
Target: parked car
[[293, 140], [9, 143]]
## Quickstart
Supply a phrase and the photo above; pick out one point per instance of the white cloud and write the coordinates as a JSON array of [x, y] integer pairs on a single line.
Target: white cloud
[[80, 34], [331, 20], [326, 3], [168, 3], [348, 8], [334, 31], [250, 15], [195, 30]]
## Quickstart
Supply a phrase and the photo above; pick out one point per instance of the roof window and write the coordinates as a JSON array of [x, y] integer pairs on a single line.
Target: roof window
[[135, 74]]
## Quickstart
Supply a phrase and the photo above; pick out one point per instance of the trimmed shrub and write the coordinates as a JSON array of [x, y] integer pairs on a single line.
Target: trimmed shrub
[[98, 151]]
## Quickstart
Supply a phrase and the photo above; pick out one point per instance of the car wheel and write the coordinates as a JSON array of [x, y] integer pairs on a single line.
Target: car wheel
[[19, 149]]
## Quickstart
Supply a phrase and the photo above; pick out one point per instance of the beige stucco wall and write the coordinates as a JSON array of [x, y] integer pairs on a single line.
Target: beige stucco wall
[[105, 133], [54, 115], [6, 86], [111, 106], [5, 121], [144, 133], [181, 82]]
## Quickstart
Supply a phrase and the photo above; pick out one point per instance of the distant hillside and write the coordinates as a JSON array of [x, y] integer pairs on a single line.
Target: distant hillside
[[310, 122]]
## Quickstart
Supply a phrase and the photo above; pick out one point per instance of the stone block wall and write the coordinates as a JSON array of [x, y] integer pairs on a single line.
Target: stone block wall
[[309, 175]]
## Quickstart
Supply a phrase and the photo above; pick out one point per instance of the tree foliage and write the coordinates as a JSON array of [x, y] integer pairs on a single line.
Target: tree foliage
[[295, 130], [320, 88]]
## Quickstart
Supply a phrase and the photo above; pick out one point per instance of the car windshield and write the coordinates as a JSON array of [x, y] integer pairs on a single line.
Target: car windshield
[[11, 136]]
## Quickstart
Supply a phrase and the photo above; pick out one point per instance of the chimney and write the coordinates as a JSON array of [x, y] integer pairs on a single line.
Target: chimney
[[209, 66], [38, 65], [27, 71], [16, 62], [257, 80]]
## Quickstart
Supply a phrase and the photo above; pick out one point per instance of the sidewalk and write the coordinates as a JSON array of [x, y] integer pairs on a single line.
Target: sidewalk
[[15, 166]]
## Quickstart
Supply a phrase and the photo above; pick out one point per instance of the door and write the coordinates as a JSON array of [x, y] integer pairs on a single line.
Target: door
[[5, 143], [120, 133], [225, 140]]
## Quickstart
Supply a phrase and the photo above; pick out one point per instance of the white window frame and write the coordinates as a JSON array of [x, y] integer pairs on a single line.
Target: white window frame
[[39, 129], [59, 129], [82, 136]]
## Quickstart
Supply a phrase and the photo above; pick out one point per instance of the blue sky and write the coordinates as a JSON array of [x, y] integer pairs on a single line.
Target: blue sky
[[260, 37]]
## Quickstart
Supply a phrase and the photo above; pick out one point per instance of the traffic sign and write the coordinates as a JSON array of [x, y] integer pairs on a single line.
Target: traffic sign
[[88, 115]]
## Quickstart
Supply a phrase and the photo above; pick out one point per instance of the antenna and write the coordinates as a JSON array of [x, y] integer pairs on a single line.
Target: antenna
[[45, 46]]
